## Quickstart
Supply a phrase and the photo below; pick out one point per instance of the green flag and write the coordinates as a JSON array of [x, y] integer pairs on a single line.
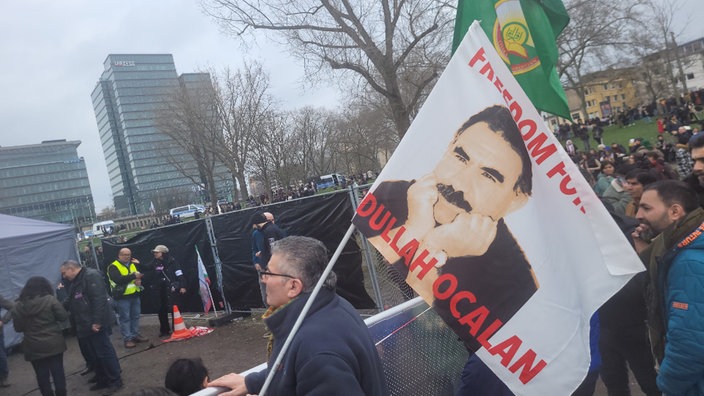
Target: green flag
[[523, 33]]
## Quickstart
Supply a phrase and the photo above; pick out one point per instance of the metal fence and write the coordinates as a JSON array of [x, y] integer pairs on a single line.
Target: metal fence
[[420, 355]]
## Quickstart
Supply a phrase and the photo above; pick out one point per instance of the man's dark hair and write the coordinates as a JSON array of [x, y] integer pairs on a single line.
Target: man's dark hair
[[625, 168], [605, 163], [696, 142], [644, 177], [186, 376], [305, 258], [500, 120], [675, 192], [36, 286]]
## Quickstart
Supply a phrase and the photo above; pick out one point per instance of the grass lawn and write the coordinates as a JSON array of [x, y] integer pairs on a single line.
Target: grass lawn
[[646, 131]]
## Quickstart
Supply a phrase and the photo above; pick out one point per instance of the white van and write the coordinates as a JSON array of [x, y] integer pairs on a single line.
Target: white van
[[103, 228], [186, 211]]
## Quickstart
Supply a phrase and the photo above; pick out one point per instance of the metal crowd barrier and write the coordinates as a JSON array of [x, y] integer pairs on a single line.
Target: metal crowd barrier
[[420, 355]]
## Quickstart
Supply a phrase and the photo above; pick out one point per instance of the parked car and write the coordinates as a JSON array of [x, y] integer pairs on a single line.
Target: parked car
[[187, 211], [331, 180]]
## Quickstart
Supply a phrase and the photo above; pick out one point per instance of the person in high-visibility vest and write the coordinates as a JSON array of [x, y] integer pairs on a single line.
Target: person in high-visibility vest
[[125, 286]]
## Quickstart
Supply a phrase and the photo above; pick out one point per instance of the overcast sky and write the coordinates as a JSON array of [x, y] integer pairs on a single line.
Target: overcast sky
[[52, 55]]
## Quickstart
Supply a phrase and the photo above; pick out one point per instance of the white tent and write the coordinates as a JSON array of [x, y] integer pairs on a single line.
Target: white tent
[[31, 248]]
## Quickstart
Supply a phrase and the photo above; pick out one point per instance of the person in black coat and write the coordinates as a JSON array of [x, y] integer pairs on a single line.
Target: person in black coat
[[39, 315], [164, 280], [271, 233], [87, 301]]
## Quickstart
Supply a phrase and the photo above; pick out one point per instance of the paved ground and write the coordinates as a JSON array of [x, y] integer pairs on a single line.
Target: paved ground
[[234, 347]]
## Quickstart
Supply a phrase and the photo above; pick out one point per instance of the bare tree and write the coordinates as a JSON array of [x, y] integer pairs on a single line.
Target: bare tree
[[315, 131], [269, 152], [661, 64], [243, 108], [396, 47], [188, 118], [107, 213], [597, 29], [167, 198], [365, 139]]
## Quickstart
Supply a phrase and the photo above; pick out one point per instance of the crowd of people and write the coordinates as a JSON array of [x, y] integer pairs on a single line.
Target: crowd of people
[[87, 299], [90, 299], [655, 194]]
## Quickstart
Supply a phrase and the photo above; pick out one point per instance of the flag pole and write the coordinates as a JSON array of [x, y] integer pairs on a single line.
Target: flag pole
[[212, 302], [202, 273], [306, 308]]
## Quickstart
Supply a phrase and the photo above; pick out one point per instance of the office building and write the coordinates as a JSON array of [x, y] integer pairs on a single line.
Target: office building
[[46, 181], [145, 166]]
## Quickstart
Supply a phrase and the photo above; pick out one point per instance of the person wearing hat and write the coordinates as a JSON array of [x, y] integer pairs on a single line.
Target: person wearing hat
[[165, 284]]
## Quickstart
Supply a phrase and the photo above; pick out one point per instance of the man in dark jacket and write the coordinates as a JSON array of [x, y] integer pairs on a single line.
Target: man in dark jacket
[[165, 282], [270, 232], [623, 336], [87, 301], [261, 243], [332, 353]]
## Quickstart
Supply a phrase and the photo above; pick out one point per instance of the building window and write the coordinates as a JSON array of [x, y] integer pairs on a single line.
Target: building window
[[690, 76], [606, 86], [623, 96]]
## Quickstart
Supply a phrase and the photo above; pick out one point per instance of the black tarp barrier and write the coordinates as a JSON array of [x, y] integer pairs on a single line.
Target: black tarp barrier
[[325, 217]]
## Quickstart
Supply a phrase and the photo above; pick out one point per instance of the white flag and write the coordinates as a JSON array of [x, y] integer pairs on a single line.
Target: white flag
[[496, 228]]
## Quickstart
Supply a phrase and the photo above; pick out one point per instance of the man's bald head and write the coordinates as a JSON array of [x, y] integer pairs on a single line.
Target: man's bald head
[[124, 255]]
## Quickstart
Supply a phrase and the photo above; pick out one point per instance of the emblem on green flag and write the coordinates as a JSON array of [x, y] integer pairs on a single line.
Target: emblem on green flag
[[523, 33]]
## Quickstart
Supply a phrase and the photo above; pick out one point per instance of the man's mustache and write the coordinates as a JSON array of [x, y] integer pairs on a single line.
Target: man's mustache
[[454, 197]]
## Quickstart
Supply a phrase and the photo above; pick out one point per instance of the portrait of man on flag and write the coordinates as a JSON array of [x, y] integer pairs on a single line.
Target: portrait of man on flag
[[456, 213]]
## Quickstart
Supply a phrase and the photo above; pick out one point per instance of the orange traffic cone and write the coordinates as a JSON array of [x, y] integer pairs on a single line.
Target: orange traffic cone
[[180, 330]]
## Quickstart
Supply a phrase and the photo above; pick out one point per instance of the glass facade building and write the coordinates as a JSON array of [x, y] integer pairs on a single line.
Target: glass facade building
[[126, 99], [46, 181]]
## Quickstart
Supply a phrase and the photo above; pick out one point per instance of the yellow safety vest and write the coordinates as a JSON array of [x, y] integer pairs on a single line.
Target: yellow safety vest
[[131, 287]]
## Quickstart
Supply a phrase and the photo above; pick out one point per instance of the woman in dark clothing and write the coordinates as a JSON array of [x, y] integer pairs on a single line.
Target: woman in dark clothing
[[165, 282], [38, 314]]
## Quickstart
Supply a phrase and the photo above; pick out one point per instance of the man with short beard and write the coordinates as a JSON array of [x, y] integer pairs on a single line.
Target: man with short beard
[[669, 211], [696, 179]]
